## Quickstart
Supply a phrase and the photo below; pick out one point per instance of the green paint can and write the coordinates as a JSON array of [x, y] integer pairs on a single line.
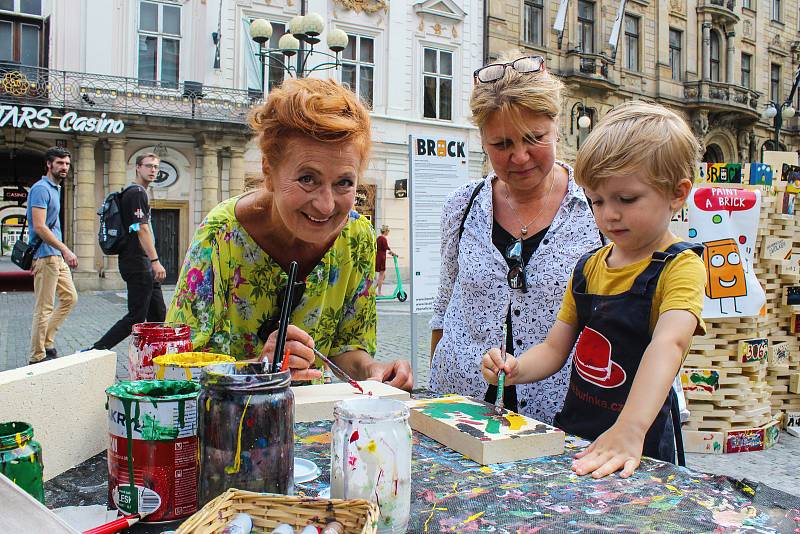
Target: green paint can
[[21, 458], [153, 448]]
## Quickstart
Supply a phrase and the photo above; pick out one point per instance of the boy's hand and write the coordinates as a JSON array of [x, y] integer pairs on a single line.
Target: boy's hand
[[492, 363], [619, 447]]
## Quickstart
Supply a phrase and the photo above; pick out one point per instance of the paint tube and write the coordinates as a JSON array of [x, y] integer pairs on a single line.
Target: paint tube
[[240, 524], [283, 529]]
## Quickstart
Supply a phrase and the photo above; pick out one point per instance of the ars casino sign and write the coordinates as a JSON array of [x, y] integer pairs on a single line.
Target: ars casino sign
[[41, 119]]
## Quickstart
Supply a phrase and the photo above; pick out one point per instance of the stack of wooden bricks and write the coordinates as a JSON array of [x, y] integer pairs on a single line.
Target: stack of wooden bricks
[[737, 378]]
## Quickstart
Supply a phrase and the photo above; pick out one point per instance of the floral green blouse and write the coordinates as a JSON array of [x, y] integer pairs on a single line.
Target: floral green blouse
[[229, 286]]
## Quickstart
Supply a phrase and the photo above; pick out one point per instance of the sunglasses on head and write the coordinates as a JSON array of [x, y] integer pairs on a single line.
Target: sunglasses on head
[[494, 71], [516, 275], [271, 324]]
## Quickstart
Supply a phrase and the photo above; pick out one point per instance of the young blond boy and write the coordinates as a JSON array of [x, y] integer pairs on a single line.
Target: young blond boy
[[634, 304]]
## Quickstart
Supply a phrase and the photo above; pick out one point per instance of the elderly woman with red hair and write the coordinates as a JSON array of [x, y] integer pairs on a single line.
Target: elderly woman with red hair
[[315, 142]]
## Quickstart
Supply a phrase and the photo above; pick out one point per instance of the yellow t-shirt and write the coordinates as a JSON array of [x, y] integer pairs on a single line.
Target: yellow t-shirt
[[681, 285]]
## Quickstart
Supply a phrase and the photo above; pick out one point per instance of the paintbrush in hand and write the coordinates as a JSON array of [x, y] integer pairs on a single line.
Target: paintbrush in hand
[[337, 371], [501, 376], [283, 323]]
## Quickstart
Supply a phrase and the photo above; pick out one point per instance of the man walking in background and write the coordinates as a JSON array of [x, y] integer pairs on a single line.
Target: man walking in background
[[53, 259], [138, 260]]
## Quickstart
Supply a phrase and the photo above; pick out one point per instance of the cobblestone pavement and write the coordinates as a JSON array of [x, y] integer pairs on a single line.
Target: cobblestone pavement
[[96, 311]]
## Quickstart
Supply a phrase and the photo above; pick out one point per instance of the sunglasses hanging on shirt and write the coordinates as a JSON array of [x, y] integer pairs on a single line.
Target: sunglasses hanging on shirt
[[516, 274]]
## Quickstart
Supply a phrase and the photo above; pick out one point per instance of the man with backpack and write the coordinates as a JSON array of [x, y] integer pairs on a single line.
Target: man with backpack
[[52, 259], [138, 259]]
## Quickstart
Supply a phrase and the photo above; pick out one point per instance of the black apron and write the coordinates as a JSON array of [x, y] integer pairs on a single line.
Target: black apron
[[614, 333]]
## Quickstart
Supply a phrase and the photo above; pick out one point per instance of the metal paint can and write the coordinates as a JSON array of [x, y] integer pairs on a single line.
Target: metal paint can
[[246, 430], [186, 365], [21, 458], [149, 340], [153, 458]]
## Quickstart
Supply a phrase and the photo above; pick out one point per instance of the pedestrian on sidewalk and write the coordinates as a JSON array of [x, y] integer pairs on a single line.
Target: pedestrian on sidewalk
[[138, 260], [380, 258], [53, 259]]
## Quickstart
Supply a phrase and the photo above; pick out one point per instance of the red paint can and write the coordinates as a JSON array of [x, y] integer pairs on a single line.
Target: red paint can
[[153, 460], [149, 340]]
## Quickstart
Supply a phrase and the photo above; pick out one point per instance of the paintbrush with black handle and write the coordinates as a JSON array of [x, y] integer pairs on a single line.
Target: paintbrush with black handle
[[283, 323]]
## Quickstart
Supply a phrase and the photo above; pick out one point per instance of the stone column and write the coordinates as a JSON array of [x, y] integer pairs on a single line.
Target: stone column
[[210, 178], [237, 171], [85, 239], [116, 181], [729, 55], [706, 51]]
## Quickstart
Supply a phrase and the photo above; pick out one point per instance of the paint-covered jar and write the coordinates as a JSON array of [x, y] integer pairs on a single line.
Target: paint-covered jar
[[371, 457], [21, 458], [149, 340], [186, 365], [152, 449], [246, 430]]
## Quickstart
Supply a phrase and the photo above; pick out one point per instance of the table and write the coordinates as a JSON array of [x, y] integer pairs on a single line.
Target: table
[[451, 493]]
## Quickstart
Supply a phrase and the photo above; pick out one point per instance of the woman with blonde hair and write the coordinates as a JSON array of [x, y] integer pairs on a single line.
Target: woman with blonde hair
[[315, 141], [509, 242]]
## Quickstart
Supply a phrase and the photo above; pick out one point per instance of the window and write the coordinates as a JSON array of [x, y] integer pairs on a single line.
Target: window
[[714, 56], [438, 84], [586, 26], [675, 42], [21, 36], [159, 44], [775, 83], [27, 7], [358, 67], [776, 10], [631, 42], [533, 22], [747, 4], [746, 58]]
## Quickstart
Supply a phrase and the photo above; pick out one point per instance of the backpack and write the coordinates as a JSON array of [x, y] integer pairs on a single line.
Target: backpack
[[112, 234]]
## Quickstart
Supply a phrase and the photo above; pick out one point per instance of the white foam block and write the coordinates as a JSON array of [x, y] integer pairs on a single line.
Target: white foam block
[[315, 402], [64, 400]]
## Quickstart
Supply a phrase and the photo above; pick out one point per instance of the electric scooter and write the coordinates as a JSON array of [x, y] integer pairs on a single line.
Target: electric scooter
[[398, 292]]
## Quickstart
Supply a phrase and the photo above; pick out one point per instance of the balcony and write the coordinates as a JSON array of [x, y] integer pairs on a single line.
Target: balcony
[[722, 97], [592, 69], [33, 86], [722, 11]]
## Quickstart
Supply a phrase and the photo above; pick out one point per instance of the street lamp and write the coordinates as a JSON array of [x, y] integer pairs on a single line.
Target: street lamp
[[584, 119], [785, 110], [303, 29]]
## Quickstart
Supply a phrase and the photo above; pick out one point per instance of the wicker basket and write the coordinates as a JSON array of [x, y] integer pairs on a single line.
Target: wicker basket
[[358, 516]]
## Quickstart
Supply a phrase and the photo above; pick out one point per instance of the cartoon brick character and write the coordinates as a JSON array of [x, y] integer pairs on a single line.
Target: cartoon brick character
[[725, 272]]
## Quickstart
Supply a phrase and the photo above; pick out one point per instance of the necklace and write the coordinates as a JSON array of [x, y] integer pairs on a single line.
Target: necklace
[[523, 230]]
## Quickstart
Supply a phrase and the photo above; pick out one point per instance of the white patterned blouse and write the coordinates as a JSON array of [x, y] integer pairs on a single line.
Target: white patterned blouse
[[474, 294]]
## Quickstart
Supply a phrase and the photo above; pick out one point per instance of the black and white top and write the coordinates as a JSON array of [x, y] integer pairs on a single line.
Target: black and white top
[[474, 294]]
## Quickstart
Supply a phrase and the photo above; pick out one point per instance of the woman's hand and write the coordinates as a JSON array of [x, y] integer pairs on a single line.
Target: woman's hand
[[301, 355], [492, 363], [397, 373], [619, 447]]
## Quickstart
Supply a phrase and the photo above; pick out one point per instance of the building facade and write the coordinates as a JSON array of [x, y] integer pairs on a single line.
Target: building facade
[[720, 62], [112, 79]]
